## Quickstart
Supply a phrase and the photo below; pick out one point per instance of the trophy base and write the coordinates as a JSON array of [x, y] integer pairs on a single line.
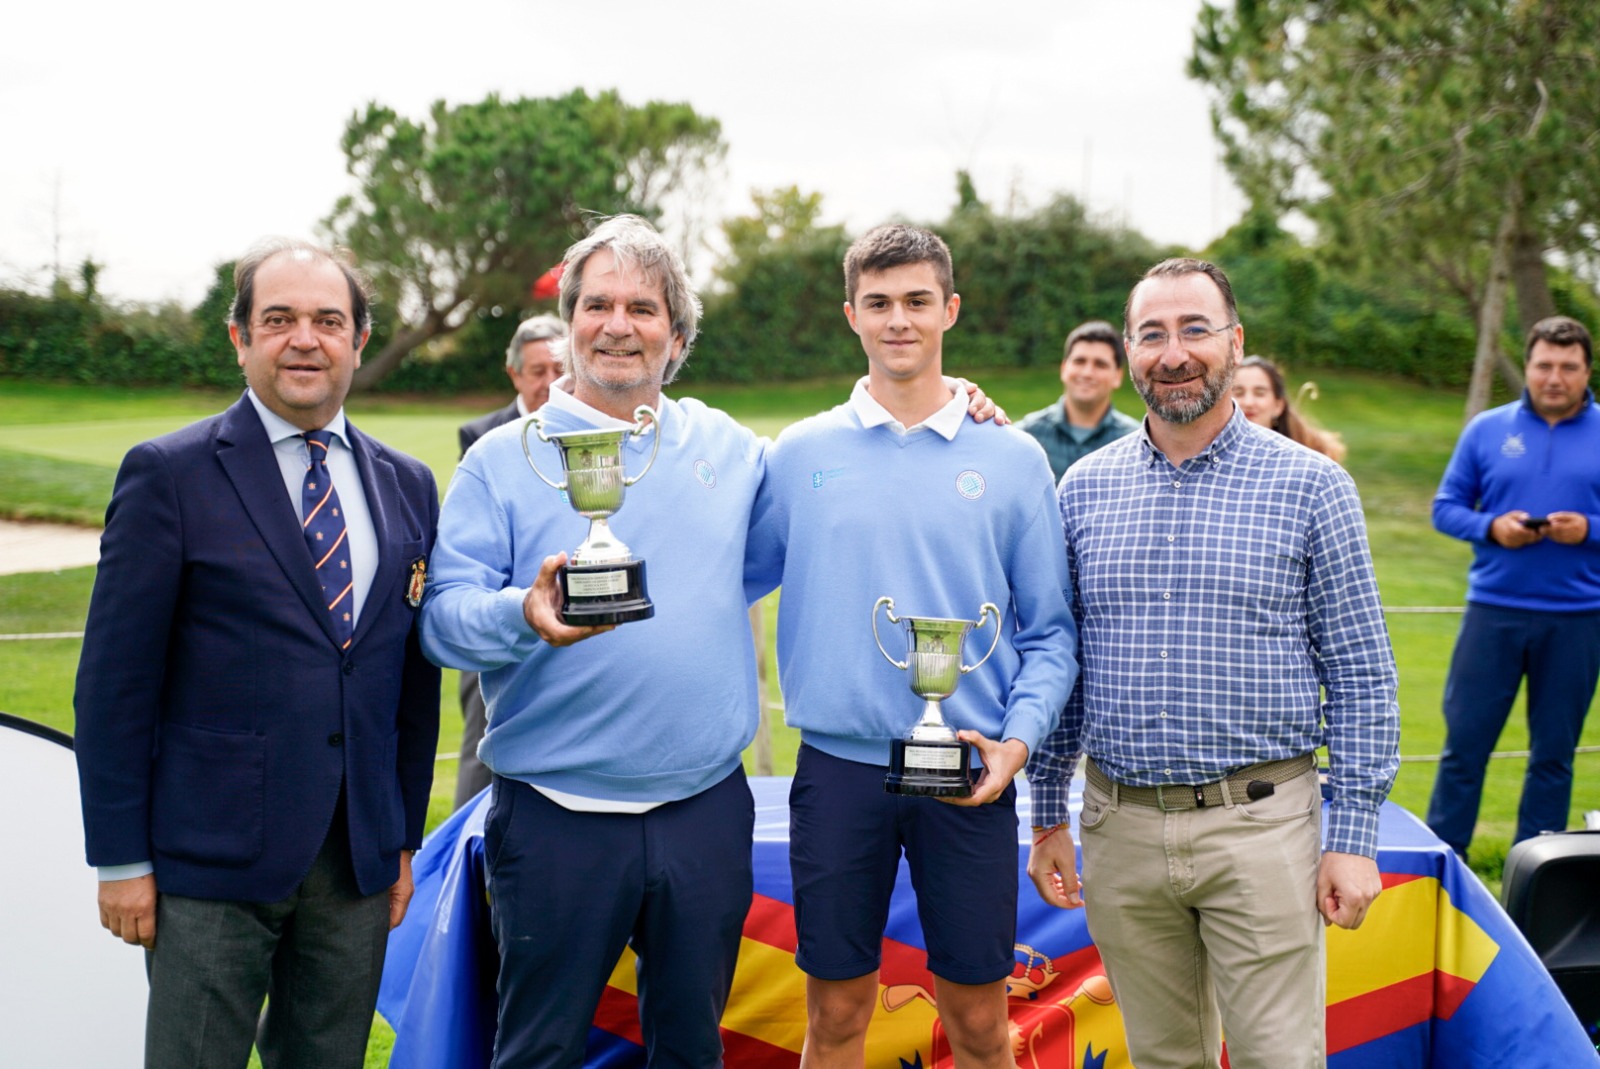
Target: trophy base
[[593, 595], [930, 769]]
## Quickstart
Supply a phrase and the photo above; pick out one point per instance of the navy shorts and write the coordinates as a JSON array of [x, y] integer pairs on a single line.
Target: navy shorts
[[846, 835]]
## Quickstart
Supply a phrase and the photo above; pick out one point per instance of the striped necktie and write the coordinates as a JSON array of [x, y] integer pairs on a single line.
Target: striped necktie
[[325, 535]]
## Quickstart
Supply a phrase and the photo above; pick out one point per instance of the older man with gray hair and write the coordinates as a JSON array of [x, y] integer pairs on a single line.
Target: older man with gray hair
[[533, 362], [620, 814]]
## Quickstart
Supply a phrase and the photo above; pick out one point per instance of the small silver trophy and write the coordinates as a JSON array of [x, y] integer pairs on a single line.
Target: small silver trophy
[[602, 582], [930, 760]]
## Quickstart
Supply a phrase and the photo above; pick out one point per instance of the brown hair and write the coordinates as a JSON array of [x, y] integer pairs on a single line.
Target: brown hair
[[896, 245], [1101, 331], [1290, 423], [1184, 265], [1560, 330], [244, 281]]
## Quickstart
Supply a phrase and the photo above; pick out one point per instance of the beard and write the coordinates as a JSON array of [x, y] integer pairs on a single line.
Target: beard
[[1192, 402]]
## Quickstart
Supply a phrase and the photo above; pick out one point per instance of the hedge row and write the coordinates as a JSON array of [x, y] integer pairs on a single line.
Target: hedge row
[[1025, 282]]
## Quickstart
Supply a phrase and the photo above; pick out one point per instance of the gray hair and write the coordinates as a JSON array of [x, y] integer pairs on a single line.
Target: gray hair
[[244, 281], [636, 245], [537, 328]]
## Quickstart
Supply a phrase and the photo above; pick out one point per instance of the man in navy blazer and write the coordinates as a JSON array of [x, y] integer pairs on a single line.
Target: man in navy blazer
[[255, 751], [532, 364]]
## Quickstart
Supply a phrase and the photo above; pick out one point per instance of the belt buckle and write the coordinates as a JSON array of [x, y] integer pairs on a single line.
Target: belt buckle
[[1189, 800]]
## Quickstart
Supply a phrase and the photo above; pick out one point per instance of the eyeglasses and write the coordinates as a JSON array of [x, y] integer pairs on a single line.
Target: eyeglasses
[[1189, 335]]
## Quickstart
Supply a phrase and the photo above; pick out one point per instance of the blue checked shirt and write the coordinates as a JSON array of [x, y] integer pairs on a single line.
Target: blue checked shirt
[[1227, 614]]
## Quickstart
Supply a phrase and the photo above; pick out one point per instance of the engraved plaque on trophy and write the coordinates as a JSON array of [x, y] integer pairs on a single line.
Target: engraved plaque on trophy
[[602, 582], [930, 760]]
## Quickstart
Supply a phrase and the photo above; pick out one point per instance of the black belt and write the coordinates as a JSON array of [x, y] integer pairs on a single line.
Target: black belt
[[1246, 785]]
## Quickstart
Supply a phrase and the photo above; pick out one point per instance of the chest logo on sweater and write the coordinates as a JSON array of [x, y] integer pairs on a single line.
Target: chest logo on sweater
[[970, 485], [1513, 446], [819, 478], [705, 473]]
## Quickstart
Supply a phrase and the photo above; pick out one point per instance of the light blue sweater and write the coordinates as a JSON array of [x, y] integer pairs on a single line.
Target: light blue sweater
[[847, 514], [656, 710]]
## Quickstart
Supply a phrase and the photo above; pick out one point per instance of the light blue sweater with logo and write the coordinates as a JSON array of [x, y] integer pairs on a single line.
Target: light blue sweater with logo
[[849, 513], [656, 710]]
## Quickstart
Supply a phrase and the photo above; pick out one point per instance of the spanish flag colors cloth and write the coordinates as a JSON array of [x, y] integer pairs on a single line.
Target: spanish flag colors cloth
[[1437, 976]]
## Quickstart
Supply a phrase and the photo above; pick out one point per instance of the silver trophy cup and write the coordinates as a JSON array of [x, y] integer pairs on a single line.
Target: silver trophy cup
[[602, 582], [930, 760]]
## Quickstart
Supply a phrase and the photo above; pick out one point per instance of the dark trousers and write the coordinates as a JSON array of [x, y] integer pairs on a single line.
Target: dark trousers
[[570, 890], [316, 956], [1559, 653]]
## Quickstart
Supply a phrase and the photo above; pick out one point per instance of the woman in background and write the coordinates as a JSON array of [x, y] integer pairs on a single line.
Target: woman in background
[[1259, 389]]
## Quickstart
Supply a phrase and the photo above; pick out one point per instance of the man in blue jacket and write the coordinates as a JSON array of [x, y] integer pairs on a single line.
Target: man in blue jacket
[[1524, 488], [256, 723]]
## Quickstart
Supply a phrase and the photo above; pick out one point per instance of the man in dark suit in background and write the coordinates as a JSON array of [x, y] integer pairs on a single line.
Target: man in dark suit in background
[[531, 365], [256, 723], [533, 362]]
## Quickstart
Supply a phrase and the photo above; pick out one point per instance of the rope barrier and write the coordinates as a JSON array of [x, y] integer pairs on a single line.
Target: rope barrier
[[1407, 758]]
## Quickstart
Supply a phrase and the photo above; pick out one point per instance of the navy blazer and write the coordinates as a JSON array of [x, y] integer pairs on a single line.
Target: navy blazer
[[472, 430], [217, 717]]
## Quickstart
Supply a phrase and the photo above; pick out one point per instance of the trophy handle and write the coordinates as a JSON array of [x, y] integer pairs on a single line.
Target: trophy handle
[[638, 429], [536, 424], [989, 608], [893, 619]]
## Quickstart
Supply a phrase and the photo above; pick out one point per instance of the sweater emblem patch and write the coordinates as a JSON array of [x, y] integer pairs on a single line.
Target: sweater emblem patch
[[818, 478], [705, 473], [970, 485], [1513, 446]]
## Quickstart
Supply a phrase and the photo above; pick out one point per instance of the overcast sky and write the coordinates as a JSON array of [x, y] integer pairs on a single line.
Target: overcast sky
[[161, 139]]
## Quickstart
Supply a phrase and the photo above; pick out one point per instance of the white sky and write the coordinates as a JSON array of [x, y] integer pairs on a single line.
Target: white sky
[[162, 139]]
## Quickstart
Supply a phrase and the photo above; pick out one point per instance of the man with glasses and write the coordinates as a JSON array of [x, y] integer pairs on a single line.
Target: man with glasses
[[1229, 627]]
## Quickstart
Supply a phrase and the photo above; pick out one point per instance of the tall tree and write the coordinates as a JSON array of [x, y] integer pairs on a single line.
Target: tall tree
[[1442, 138], [464, 209]]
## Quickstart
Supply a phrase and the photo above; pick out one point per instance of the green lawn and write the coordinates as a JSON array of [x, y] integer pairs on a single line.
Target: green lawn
[[59, 447]]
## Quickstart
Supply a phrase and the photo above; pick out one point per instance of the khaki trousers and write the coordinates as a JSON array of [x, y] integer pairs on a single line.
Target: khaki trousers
[[1206, 920]]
